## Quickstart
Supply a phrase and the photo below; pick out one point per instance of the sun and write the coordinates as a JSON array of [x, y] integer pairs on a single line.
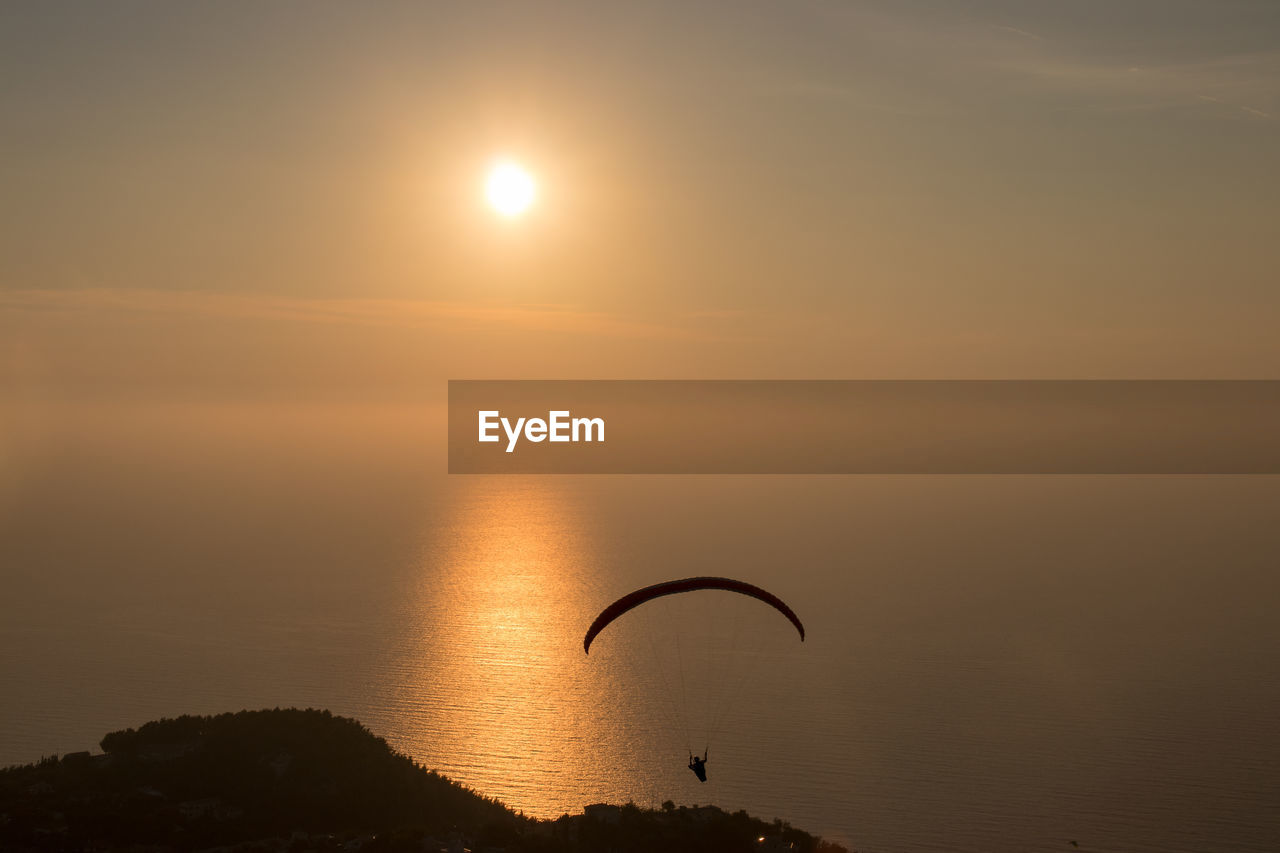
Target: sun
[[510, 188]]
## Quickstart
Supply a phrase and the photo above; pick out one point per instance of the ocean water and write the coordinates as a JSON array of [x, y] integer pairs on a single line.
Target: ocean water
[[992, 663]]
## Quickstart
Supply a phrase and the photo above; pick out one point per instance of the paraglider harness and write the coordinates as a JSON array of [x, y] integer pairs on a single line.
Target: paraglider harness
[[699, 765]]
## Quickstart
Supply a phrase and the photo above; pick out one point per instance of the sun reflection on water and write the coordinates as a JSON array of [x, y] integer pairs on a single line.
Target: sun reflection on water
[[492, 686], [487, 681]]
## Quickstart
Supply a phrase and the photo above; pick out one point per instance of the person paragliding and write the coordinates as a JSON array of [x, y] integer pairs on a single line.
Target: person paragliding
[[699, 765], [640, 597]]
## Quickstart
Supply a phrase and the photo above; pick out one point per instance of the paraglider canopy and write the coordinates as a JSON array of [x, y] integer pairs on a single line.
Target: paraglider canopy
[[634, 599]]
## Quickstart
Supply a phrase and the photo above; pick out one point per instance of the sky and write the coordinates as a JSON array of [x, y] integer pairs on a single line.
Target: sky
[[285, 200]]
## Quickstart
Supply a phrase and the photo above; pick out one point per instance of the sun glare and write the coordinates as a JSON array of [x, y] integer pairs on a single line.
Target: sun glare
[[510, 189]]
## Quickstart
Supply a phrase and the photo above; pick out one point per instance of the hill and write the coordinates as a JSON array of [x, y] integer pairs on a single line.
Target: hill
[[293, 780]]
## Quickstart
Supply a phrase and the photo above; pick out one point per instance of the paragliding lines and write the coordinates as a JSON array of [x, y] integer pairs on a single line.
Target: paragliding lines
[[671, 709]]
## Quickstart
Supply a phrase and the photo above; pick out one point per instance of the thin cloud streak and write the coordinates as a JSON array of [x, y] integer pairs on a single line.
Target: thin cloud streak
[[1018, 32], [1248, 84], [400, 313], [917, 64]]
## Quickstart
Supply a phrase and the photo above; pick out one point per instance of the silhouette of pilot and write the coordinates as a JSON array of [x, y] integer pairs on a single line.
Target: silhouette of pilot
[[699, 765]]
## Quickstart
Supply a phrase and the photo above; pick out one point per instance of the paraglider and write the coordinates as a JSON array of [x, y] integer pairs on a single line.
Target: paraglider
[[640, 597]]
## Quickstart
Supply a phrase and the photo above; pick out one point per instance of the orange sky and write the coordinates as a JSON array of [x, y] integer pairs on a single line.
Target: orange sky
[[239, 200]]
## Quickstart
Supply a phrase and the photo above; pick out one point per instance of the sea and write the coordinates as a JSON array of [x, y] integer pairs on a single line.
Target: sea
[[990, 663]]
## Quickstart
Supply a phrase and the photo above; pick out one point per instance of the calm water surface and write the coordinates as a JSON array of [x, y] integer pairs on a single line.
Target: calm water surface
[[992, 664]]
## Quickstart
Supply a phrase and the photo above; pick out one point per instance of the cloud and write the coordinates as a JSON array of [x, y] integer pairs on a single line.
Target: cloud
[[1248, 85], [391, 313], [942, 61], [211, 344], [1018, 32]]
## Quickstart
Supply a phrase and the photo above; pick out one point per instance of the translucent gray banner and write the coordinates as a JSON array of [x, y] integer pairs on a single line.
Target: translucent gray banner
[[864, 427]]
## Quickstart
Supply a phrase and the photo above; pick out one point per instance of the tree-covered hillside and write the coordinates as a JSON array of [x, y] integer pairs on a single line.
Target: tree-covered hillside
[[307, 780]]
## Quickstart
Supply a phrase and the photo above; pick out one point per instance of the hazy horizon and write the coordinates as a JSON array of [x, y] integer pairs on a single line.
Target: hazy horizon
[[992, 663]]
